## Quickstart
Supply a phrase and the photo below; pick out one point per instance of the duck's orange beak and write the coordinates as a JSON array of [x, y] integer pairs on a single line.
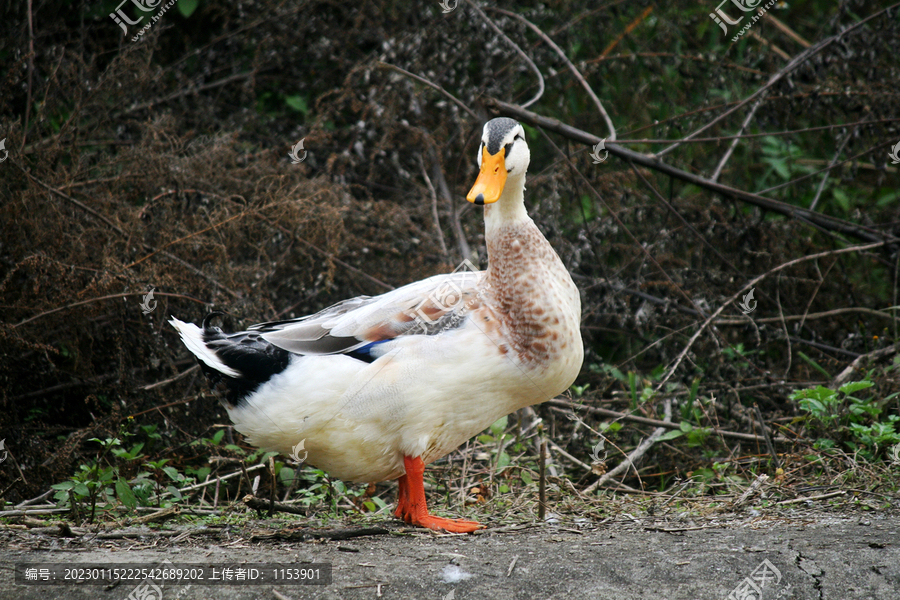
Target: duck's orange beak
[[491, 179]]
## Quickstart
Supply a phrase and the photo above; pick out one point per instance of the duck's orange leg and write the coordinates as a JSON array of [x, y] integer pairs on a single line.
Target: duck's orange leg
[[411, 502]]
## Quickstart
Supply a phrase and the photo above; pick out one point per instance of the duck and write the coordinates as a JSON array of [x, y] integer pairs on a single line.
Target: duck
[[377, 387]]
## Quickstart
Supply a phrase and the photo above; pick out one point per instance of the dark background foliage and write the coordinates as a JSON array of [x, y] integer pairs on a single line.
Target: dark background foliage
[[162, 164]]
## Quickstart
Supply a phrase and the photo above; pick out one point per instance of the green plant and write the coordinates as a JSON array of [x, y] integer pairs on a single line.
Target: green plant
[[782, 158], [102, 482], [98, 481], [216, 441], [696, 436], [840, 417]]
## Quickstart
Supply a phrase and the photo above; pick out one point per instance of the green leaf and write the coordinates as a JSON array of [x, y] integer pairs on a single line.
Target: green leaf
[[298, 103], [173, 474], [855, 386], [65, 485], [781, 167], [632, 386], [187, 7], [286, 474], [124, 493], [175, 492], [814, 364], [841, 197], [670, 435], [888, 198], [503, 461], [499, 426], [525, 476], [695, 387], [217, 437], [824, 443], [813, 406]]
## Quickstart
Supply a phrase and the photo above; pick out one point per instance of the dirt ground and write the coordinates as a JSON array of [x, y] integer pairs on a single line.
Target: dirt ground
[[810, 555]]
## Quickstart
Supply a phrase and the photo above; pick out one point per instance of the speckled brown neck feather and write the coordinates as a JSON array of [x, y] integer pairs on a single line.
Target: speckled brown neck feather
[[525, 289]]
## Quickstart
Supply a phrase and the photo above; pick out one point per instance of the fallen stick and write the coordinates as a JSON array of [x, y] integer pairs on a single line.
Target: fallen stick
[[38, 511], [605, 412], [197, 486], [257, 504], [811, 498], [329, 534], [877, 354], [636, 454]]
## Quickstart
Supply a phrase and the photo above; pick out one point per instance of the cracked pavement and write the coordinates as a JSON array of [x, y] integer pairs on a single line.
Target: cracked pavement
[[806, 556]]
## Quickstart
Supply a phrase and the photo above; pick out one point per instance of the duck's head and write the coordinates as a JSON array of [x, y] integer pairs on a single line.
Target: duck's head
[[503, 158]]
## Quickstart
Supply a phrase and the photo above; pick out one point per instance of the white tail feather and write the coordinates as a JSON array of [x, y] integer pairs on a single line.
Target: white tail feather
[[192, 336]]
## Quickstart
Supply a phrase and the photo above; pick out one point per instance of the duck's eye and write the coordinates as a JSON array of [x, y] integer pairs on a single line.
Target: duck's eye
[[507, 148]]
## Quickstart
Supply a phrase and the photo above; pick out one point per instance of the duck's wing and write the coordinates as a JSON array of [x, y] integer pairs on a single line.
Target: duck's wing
[[355, 326]]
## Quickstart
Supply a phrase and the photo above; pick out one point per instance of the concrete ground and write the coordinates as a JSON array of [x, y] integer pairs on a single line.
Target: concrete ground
[[808, 557]]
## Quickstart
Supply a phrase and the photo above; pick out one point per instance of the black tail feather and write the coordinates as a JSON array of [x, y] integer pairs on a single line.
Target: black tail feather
[[247, 353]]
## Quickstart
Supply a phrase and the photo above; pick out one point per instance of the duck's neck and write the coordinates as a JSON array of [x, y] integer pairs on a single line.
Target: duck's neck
[[508, 211], [525, 279], [515, 246]]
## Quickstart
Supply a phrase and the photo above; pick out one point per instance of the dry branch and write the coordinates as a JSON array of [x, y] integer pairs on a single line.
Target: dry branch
[[826, 222], [636, 454], [518, 50], [605, 412], [575, 71], [787, 69]]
